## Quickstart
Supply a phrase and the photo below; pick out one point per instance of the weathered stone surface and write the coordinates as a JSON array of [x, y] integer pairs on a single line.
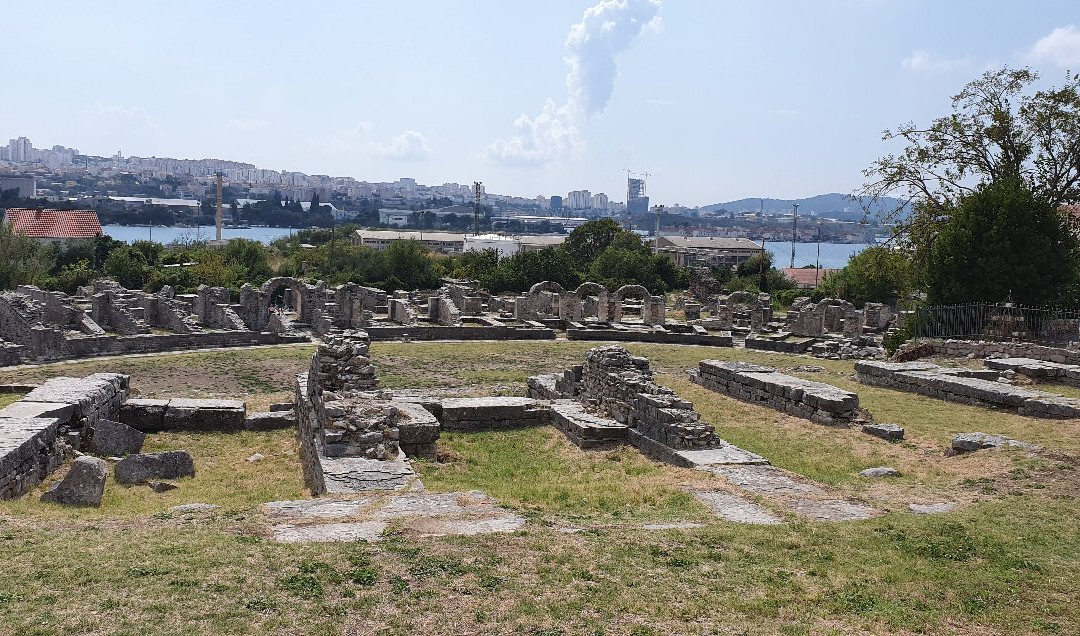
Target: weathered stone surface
[[135, 469], [735, 508], [344, 475], [883, 430], [269, 421], [675, 525], [969, 442], [144, 414], [804, 498], [186, 414], [966, 386], [931, 508], [470, 414], [161, 486], [815, 401], [425, 514], [278, 407], [115, 438], [30, 449], [83, 485], [880, 471]]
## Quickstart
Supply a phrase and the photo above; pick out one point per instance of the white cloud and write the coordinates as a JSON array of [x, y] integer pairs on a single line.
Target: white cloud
[[408, 146], [1061, 47], [923, 61], [607, 28]]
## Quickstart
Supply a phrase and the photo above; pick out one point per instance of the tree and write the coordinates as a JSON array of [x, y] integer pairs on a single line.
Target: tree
[[1002, 241], [876, 274], [587, 242], [23, 261], [128, 266], [999, 130]]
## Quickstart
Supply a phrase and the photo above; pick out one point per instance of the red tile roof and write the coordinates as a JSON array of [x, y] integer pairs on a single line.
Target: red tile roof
[[55, 224], [807, 277]]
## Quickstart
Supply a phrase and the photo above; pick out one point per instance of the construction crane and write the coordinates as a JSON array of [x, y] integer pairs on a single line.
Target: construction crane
[[794, 231], [476, 213]]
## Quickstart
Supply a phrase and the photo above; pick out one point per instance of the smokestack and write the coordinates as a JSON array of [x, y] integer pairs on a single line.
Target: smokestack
[[218, 218]]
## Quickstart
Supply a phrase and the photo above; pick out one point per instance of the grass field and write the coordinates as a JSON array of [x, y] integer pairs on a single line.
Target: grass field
[[1004, 562]]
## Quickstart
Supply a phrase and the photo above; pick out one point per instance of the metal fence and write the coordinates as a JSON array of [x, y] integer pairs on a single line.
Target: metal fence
[[1003, 321]]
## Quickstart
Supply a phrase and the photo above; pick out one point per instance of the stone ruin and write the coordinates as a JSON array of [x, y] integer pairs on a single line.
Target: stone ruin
[[548, 300], [743, 311], [614, 384], [105, 318], [816, 401]]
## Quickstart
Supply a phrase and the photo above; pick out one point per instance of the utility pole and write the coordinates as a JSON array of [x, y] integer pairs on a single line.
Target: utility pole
[[476, 213], [656, 234], [817, 265], [794, 230], [217, 217]]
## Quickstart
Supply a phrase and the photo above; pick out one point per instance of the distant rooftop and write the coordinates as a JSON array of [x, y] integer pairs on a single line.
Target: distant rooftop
[[54, 224], [708, 243]]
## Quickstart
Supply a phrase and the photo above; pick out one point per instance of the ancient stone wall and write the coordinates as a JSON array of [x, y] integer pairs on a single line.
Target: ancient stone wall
[[965, 386], [401, 311], [815, 401], [38, 431], [987, 349], [623, 386]]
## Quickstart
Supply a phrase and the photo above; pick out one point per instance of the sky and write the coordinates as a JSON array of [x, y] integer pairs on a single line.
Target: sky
[[717, 101]]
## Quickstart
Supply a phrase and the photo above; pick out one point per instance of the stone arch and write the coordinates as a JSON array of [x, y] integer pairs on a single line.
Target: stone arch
[[546, 286], [301, 295], [636, 290], [586, 287]]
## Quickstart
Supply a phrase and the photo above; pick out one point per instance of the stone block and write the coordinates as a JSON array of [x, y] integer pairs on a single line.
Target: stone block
[[116, 438], [83, 485], [135, 469], [144, 415], [269, 421]]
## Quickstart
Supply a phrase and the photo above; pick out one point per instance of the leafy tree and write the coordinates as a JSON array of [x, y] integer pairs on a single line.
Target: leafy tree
[[586, 243], [876, 274], [1002, 241], [520, 271], [128, 266], [23, 261], [251, 257], [999, 129]]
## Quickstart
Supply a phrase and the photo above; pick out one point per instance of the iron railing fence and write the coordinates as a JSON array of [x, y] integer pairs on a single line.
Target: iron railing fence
[[1001, 321]]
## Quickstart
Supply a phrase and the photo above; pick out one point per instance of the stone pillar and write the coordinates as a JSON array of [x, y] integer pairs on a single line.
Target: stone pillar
[[692, 311]]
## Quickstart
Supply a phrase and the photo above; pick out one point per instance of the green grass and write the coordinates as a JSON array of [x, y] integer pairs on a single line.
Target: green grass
[[1004, 562]]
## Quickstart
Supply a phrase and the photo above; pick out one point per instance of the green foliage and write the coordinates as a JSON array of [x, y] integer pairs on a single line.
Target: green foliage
[[71, 277], [905, 331], [587, 242], [23, 261], [128, 266], [615, 267], [877, 274], [1002, 241], [520, 271]]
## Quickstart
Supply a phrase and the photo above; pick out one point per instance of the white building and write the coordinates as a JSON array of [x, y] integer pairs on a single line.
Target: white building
[[578, 200], [600, 201], [505, 245]]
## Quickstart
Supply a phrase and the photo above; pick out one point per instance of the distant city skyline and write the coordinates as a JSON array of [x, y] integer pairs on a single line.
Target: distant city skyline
[[717, 101]]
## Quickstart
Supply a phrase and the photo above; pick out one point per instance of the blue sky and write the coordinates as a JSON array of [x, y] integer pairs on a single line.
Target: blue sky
[[717, 100]]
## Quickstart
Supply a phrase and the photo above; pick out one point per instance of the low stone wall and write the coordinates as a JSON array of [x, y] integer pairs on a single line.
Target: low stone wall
[[183, 414], [584, 429], [92, 399], [30, 449], [37, 432], [487, 413], [661, 337], [986, 349], [780, 345], [965, 386], [421, 332], [816, 401], [151, 343], [10, 354], [1038, 369]]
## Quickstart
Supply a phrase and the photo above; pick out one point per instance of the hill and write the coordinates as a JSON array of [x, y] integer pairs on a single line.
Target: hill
[[836, 206]]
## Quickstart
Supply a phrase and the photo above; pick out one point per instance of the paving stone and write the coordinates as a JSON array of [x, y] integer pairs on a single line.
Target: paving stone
[[735, 508], [969, 442], [329, 532], [832, 509], [880, 471], [83, 485], [884, 431], [931, 508], [134, 469], [116, 439]]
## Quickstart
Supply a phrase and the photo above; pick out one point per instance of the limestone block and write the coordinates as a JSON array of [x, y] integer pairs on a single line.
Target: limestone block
[[83, 485], [115, 438], [135, 469]]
